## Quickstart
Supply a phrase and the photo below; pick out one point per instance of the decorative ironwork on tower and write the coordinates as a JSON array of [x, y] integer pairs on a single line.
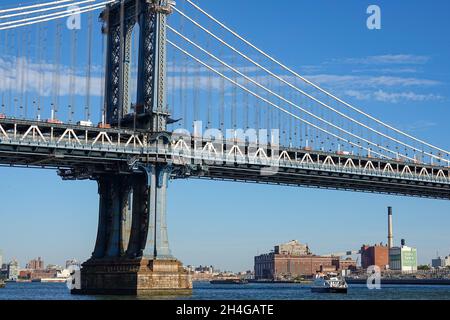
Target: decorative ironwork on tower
[[150, 111]]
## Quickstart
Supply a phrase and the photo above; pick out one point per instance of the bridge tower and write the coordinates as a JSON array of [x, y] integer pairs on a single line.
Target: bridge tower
[[131, 254]]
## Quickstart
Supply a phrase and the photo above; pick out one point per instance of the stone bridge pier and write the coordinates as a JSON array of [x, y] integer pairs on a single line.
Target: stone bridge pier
[[131, 254]]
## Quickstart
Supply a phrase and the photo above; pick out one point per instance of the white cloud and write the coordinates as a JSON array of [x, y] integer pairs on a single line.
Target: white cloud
[[369, 81], [18, 72], [392, 97], [39, 79], [395, 97], [389, 59], [420, 125], [387, 70]]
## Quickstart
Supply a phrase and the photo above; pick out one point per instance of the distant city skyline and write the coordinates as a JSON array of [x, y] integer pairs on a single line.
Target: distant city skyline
[[400, 74]]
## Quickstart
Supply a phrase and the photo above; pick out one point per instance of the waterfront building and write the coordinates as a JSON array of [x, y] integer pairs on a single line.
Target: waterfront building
[[403, 258], [344, 264], [35, 264], [54, 267], [43, 274], [204, 269], [440, 262], [293, 248], [72, 263], [1, 258], [292, 260], [13, 270], [377, 255], [278, 266]]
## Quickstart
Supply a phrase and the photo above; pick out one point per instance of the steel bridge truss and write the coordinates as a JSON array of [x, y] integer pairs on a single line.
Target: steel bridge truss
[[84, 152]]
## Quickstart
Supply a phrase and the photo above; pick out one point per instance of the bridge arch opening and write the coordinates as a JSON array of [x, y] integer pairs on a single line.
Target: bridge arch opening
[[133, 67]]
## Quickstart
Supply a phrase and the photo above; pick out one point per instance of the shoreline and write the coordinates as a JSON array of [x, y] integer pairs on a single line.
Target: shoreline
[[404, 281]]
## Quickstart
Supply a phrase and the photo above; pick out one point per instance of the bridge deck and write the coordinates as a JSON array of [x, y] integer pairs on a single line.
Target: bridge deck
[[91, 150]]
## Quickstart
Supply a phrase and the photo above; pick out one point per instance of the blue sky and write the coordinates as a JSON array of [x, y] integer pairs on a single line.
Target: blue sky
[[400, 74]]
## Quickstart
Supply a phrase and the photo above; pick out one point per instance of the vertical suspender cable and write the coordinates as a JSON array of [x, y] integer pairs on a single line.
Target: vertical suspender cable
[[11, 61], [22, 72], [122, 61], [58, 65], [72, 75], [38, 61], [195, 98], [234, 97], [56, 72], [87, 110], [181, 80], [209, 88], [185, 92], [3, 74], [172, 76], [222, 102], [28, 63], [103, 82]]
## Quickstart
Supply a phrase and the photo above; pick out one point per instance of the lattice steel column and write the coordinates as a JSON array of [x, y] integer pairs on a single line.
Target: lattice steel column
[[120, 18]]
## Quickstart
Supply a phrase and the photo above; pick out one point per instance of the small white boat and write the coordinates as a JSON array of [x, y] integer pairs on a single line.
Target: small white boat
[[329, 283]]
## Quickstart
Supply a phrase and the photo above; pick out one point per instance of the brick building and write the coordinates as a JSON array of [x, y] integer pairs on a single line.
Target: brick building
[[277, 266], [347, 264], [377, 255], [37, 274], [35, 264], [293, 262]]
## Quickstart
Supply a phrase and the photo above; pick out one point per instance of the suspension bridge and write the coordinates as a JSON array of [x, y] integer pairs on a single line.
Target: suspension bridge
[[149, 90]]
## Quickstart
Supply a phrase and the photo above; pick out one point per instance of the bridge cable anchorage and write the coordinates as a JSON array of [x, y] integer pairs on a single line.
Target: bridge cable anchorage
[[235, 34], [279, 96], [308, 95], [52, 16], [267, 101], [26, 13]]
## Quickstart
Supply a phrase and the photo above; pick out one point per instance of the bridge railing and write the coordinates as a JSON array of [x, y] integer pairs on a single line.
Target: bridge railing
[[185, 149]]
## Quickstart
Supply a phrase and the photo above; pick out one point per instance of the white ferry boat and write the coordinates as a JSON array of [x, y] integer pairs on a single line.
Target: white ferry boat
[[329, 283]]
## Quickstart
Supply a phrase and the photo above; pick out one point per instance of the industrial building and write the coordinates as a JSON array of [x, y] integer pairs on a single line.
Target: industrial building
[[403, 258], [388, 256], [377, 255], [440, 262], [293, 259], [293, 247]]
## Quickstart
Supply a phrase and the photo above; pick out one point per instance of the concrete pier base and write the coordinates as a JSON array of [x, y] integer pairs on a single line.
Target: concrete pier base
[[134, 277]]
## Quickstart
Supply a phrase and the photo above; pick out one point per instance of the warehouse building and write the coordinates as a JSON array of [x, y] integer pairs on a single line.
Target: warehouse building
[[377, 255], [290, 261]]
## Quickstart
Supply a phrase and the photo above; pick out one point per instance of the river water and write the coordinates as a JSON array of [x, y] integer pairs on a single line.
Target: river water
[[251, 291]]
